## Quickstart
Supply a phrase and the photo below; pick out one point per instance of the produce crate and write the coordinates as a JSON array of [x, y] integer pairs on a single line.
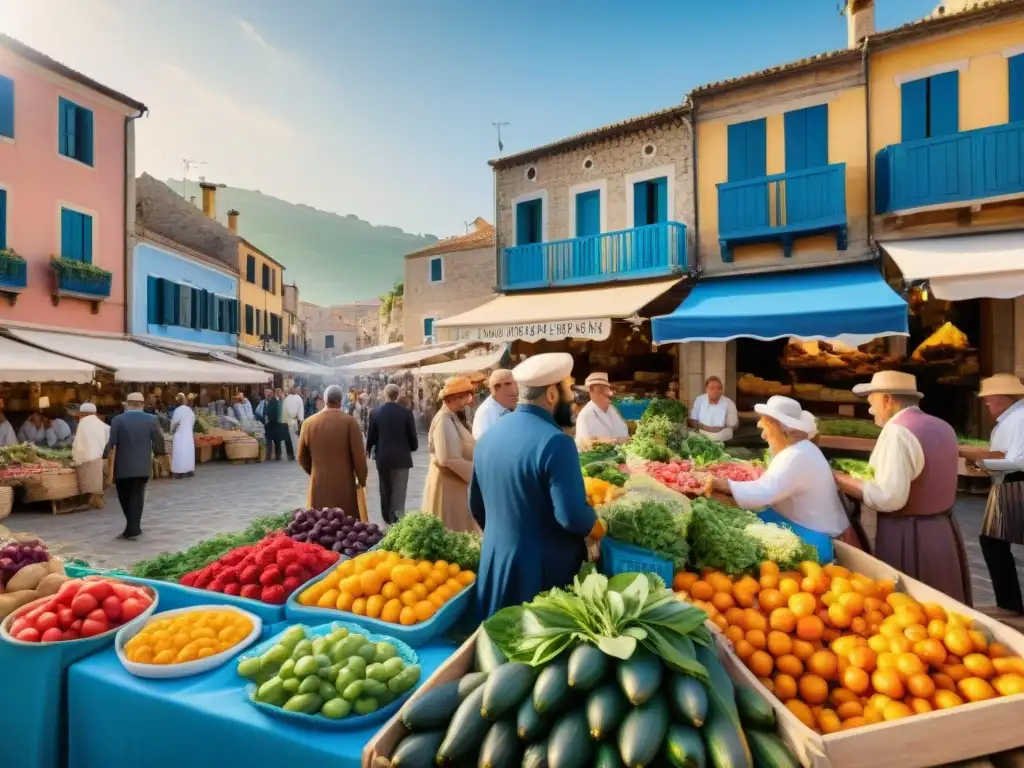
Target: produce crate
[[618, 557], [632, 410], [936, 738]]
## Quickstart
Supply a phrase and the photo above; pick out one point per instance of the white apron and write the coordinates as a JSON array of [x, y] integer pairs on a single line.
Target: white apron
[[183, 443]]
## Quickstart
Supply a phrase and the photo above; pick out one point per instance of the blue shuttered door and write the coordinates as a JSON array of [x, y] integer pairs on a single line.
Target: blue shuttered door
[[588, 213], [3, 219], [586, 253], [748, 150], [428, 326], [914, 110], [153, 292], [6, 107], [806, 132], [436, 270], [944, 104], [1016, 65], [640, 205], [528, 222]]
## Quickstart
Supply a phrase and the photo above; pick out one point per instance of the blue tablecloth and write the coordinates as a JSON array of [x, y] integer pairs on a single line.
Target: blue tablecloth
[[122, 721]]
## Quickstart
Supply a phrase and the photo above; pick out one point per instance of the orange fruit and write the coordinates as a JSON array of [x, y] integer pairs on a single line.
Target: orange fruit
[[844, 645], [370, 582], [424, 610], [839, 616], [896, 710], [921, 706], [359, 606], [934, 611], [921, 686], [809, 628], [779, 643], [816, 584], [957, 672], [782, 619], [943, 681], [390, 591], [1004, 666], [936, 629], [849, 709], [1009, 684], [436, 599], [743, 595], [998, 651], [828, 721], [852, 602], [784, 687], [824, 664], [958, 641], [931, 651], [900, 644], [701, 590], [878, 701], [855, 679], [864, 658], [374, 604], [975, 689], [409, 597], [683, 580], [757, 639], [833, 570], [768, 581], [345, 601], [802, 712], [768, 567], [802, 604], [767, 683], [735, 617], [789, 587], [445, 592], [915, 633], [352, 585], [761, 664], [878, 643], [854, 722], [790, 665], [753, 619], [770, 599], [885, 587], [452, 584], [946, 699], [391, 611], [384, 570], [887, 682], [734, 633], [430, 583], [465, 578], [908, 665], [420, 590], [722, 601], [841, 696], [719, 621], [980, 665], [978, 639], [408, 616], [425, 567], [809, 568], [803, 649], [813, 689]]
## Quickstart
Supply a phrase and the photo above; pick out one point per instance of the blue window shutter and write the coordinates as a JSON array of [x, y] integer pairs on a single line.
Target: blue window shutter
[[914, 110], [167, 303], [6, 107], [70, 127], [233, 318], [436, 270], [795, 129], [1016, 65], [62, 128], [757, 148], [152, 300], [522, 223], [817, 136], [248, 319], [660, 187], [86, 225], [84, 137], [640, 192], [3, 219], [737, 149], [588, 213], [66, 226], [944, 104], [428, 326]]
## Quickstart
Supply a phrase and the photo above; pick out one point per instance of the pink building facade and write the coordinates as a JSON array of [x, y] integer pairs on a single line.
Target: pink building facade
[[67, 171]]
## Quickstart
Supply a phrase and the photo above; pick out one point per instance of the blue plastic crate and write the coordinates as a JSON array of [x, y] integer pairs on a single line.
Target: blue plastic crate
[[618, 557], [632, 410], [820, 541]]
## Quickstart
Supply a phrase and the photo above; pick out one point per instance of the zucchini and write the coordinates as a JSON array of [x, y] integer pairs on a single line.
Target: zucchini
[[684, 748], [470, 682], [530, 724], [433, 710], [505, 688], [754, 711], [689, 699], [465, 732], [536, 756], [501, 746], [569, 745], [552, 690], [723, 736], [605, 709], [640, 676], [588, 665], [487, 656], [607, 757], [721, 687], [417, 750], [770, 751], [643, 733]]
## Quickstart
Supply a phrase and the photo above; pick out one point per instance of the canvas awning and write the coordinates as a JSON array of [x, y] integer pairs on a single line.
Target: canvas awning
[[552, 315], [381, 350], [404, 360], [23, 363], [987, 266], [283, 364], [851, 303], [131, 361], [464, 364]]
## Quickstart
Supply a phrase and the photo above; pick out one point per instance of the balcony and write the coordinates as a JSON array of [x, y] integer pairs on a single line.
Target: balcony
[[13, 275], [983, 165], [783, 207], [654, 250]]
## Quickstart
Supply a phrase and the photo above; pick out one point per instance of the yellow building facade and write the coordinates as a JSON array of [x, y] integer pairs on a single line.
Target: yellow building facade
[[261, 298]]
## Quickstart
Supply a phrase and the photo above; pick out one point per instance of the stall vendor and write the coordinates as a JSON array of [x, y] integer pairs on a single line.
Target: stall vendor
[[713, 413], [58, 433], [599, 419], [1003, 396], [33, 430], [798, 483], [7, 434], [527, 493], [915, 461]]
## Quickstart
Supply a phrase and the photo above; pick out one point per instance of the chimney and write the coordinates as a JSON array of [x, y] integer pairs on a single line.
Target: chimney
[[209, 198], [233, 221], [860, 21]]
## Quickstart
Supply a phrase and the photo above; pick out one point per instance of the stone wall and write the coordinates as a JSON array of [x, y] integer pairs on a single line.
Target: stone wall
[[468, 281]]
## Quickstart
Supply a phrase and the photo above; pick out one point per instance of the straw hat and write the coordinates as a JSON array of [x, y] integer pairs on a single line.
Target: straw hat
[[788, 413], [1005, 384], [600, 379], [456, 385], [890, 383]]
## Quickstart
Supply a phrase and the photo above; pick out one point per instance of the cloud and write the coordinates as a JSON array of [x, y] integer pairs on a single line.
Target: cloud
[[253, 36]]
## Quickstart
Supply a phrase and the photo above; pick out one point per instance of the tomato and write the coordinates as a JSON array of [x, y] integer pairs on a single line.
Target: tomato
[[100, 590], [132, 608], [52, 635], [84, 604], [76, 626], [67, 592], [90, 628], [46, 621], [123, 591], [111, 608], [18, 625], [65, 617], [28, 635], [69, 634]]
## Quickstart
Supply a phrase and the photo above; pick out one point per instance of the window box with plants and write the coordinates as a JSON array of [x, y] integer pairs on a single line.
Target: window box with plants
[[13, 274], [79, 279]]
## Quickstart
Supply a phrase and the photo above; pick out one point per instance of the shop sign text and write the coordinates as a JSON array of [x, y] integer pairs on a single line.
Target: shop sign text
[[596, 329]]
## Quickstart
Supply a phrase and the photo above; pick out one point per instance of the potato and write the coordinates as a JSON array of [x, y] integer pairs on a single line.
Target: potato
[[51, 583], [12, 601], [56, 565], [28, 577]]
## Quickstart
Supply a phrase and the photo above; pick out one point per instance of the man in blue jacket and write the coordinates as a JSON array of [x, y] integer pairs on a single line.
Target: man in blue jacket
[[527, 493], [137, 437]]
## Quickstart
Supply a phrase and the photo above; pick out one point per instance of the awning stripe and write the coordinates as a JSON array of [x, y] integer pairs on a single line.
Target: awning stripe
[[464, 364], [404, 360], [282, 364], [23, 363]]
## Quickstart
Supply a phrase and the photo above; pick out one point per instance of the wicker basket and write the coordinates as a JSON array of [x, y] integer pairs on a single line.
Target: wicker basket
[[6, 501], [242, 451], [53, 486]]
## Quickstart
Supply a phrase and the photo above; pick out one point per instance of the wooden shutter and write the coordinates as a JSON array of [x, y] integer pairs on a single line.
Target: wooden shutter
[[914, 110], [232, 326], [86, 230], [1016, 65], [83, 137], [3, 219], [806, 138], [640, 192], [944, 104], [248, 319], [6, 107], [66, 128], [660, 188], [747, 148]]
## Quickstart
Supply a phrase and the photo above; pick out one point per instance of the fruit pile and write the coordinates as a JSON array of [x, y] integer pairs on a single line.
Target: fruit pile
[[269, 570], [333, 675], [383, 585], [842, 650], [188, 637], [80, 608]]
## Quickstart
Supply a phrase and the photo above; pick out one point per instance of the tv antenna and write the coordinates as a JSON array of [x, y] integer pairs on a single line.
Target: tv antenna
[[189, 165], [498, 127]]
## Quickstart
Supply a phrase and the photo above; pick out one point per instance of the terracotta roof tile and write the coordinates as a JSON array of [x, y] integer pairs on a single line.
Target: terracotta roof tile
[[481, 237], [820, 59]]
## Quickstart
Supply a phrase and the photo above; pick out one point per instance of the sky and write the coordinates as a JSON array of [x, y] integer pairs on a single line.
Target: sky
[[384, 108]]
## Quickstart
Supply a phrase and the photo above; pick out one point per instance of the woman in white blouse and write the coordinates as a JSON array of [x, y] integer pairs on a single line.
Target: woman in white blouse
[[713, 413], [798, 483], [599, 419]]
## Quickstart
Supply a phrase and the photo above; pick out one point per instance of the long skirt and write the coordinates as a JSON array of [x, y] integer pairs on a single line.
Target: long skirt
[[1004, 513], [929, 548], [446, 496]]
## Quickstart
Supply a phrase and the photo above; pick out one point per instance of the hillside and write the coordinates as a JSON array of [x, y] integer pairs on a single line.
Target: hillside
[[333, 258]]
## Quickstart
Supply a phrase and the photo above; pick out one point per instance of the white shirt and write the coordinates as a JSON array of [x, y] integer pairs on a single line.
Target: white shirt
[[1008, 439], [7, 435], [798, 484], [897, 461], [486, 416], [58, 433], [594, 424], [90, 439], [30, 433], [242, 410], [293, 408], [720, 414]]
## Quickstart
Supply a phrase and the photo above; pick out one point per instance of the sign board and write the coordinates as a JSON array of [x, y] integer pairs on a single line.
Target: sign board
[[595, 329]]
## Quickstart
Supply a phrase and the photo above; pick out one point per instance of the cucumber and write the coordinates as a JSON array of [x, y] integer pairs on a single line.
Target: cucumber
[[684, 747], [588, 665], [465, 732], [470, 682], [643, 733], [640, 676], [530, 724], [755, 712], [605, 709], [721, 687], [569, 745], [552, 690], [689, 699], [501, 746], [487, 656], [770, 751], [505, 688], [723, 736], [417, 750], [434, 709], [536, 756], [607, 757]]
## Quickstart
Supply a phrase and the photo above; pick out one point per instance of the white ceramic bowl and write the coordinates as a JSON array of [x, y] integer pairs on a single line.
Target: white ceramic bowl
[[188, 668]]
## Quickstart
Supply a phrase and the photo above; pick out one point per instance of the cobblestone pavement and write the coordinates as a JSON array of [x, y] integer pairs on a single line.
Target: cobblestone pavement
[[224, 498]]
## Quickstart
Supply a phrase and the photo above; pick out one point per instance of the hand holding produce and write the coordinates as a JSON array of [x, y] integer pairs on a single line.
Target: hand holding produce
[[335, 676], [188, 637], [333, 529], [419, 536]]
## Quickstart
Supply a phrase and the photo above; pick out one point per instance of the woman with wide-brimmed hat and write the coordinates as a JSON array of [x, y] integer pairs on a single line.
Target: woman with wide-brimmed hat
[[450, 443]]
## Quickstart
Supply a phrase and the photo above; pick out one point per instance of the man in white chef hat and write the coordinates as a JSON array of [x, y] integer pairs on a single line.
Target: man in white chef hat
[[527, 492]]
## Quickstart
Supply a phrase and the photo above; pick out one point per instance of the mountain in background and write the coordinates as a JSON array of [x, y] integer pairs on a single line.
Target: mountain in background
[[333, 259]]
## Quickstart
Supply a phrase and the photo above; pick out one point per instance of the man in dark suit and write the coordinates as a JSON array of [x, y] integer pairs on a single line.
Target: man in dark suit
[[391, 439], [137, 437], [272, 424]]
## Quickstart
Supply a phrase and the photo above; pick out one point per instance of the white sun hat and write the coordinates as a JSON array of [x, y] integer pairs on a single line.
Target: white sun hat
[[788, 413]]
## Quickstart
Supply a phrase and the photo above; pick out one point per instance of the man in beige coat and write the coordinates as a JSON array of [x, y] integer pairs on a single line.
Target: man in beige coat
[[331, 452]]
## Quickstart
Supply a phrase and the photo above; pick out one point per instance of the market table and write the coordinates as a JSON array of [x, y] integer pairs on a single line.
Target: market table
[[119, 720]]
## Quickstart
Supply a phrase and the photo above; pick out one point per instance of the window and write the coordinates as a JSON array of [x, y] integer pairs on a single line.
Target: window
[[329, 341], [154, 293], [3, 219], [250, 269], [232, 316], [275, 327], [747, 148], [437, 269], [74, 134], [529, 221], [75, 235], [930, 106], [650, 202], [249, 328], [1015, 63], [588, 213], [806, 138], [6, 107], [273, 281], [428, 326], [259, 323], [266, 278]]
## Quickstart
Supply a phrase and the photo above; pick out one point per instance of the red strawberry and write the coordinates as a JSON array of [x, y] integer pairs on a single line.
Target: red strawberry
[[271, 575], [233, 589], [307, 559], [189, 579], [290, 584], [217, 585], [249, 575], [266, 557], [251, 591], [274, 594]]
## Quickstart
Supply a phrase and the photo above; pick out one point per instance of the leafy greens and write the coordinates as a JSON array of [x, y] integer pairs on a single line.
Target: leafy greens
[[421, 536], [653, 524]]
